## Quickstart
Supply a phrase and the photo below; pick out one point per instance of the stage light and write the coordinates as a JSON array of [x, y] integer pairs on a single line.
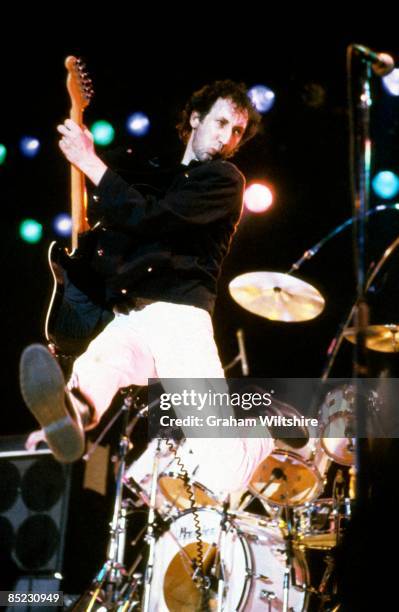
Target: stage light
[[62, 224], [258, 198], [138, 124], [103, 133], [30, 231], [29, 146], [261, 97], [3, 154], [391, 82], [386, 184]]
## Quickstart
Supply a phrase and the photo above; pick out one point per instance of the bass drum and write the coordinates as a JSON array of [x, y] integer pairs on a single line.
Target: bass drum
[[253, 560]]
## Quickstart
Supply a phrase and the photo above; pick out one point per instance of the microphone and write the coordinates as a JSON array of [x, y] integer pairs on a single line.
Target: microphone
[[242, 355], [381, 63]]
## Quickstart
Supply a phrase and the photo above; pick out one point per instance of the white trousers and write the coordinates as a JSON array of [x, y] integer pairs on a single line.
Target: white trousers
[[165, 340]]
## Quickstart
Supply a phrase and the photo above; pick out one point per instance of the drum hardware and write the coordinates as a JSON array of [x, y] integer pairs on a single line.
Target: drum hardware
[[352, 482], [150, 536], [336, 343], [268, 597], [128, 595], [221, 573], [241, 357], [289, 556], [106, 585]]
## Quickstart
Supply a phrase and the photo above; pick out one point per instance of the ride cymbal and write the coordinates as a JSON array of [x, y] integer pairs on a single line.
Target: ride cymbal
[[277, 296]]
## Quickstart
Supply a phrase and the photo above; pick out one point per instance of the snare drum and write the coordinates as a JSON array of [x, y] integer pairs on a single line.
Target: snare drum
[[291, 478], [172, 493], [253, 559]]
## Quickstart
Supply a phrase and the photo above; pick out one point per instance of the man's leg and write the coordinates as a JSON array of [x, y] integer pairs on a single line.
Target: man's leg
[[182, 343], [118, 357]]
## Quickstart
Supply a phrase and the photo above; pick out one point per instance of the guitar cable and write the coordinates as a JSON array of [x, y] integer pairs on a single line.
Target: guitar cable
[[198, 564]]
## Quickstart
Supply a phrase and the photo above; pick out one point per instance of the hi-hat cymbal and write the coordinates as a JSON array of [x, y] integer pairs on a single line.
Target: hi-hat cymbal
[[277, 296], [383, 338]]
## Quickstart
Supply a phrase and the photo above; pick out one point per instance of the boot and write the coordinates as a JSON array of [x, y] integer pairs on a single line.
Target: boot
[[43, 389]]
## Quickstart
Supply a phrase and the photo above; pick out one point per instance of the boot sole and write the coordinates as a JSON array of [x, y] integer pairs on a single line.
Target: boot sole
[[43, 389]]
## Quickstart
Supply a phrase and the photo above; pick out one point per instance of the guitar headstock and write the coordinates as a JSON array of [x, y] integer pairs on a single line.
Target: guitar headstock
[[79, 84]]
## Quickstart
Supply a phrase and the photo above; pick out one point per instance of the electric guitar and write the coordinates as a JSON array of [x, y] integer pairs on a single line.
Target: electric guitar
[[75, 313]]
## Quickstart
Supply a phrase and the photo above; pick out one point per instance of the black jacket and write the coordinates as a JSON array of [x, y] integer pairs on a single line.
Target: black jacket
[[166, 243]]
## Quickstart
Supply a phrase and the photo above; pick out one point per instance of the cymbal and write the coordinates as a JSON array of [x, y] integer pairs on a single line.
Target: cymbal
[[277, 296], [382, 338]]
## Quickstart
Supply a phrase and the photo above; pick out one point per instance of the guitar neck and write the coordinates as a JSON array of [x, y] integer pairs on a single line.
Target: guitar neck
[[78, 191]]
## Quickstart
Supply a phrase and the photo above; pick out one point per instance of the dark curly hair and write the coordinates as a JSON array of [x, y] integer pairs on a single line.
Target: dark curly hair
[[203, 100]]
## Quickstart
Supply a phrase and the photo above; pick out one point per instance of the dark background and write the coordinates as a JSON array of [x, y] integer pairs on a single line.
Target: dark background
[[302, 151]]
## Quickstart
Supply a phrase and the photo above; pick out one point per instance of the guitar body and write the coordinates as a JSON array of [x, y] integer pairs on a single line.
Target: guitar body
[[76, 312]]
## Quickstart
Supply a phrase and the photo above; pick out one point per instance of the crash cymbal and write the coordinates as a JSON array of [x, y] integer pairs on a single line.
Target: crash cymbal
[[383, 338], [277, 296]]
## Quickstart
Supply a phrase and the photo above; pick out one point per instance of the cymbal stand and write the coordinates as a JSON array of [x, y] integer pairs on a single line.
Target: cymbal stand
[[151, 529], [111, 575], [224, 527], [289, 559], [337, 341], [241, 357]]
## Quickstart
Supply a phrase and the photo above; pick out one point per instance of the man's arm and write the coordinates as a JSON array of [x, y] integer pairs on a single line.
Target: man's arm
[[206, 193]]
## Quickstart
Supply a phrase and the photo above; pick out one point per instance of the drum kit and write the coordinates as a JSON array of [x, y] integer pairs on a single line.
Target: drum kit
[[251, 550]]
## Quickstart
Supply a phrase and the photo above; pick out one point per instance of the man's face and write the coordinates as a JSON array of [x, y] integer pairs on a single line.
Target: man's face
[[219, 132]]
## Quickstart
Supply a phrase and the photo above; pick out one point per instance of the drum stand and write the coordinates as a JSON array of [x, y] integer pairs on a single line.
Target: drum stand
[[289, 558], [151, 530], [110, 577], [220, 571]]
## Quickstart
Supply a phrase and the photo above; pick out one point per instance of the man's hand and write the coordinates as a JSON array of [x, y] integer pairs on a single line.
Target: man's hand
[[78, 147], [34, 439]]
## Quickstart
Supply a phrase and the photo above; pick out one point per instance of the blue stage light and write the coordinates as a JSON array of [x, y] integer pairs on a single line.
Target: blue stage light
[[386, 184], [62, 224], [29, 146], [262, 98], [138, 124]]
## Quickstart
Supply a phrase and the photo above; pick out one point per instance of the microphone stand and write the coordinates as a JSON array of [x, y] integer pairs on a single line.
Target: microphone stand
[[360, 102]]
